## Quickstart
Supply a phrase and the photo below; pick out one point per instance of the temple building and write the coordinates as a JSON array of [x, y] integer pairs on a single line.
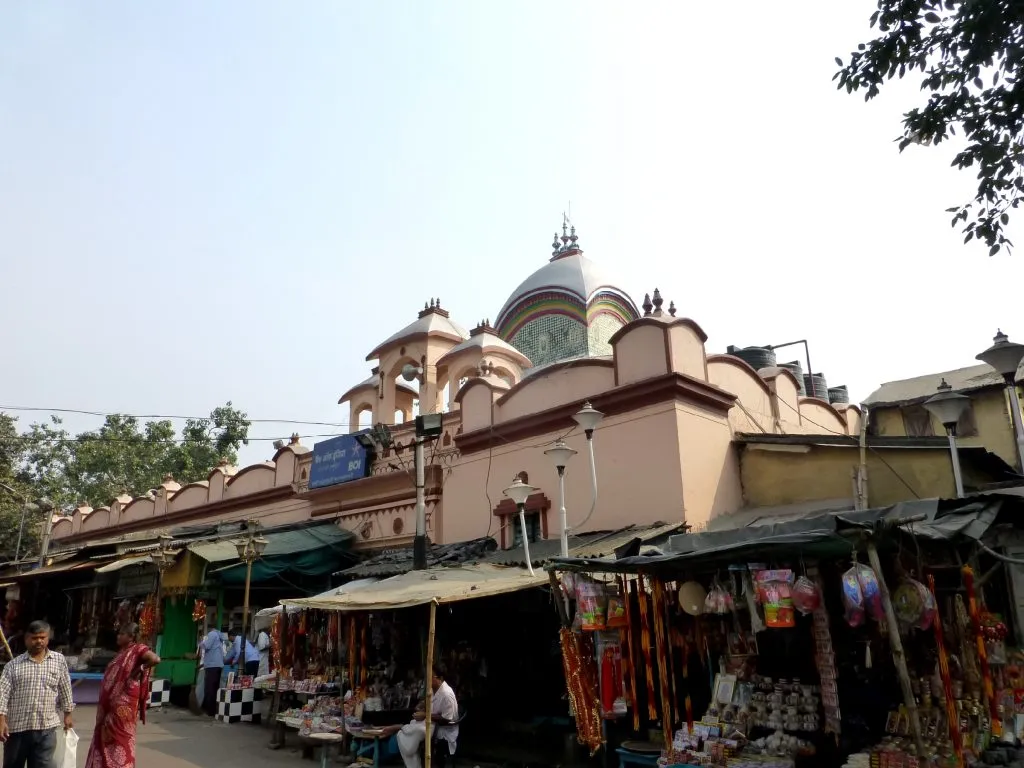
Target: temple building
[[687, 435]]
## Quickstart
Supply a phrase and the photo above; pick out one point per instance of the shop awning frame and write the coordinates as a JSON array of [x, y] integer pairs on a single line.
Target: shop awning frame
[[438, 585], [125, 562], [816, 534]]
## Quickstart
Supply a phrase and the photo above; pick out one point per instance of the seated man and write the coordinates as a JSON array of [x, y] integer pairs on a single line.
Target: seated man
[[443, 709]]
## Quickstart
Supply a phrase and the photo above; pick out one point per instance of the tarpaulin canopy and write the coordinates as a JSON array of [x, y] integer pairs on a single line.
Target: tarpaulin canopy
[[313, 551], [817, 533], [265, 617], [124, 562], [439, 585]]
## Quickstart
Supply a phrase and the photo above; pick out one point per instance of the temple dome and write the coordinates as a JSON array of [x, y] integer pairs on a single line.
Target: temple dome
[[568, 308]]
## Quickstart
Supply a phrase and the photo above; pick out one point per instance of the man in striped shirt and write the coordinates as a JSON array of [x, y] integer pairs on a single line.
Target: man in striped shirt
[[35, 693]]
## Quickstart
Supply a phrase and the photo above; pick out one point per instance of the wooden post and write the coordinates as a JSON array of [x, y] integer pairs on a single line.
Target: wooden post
[[898, 657], [428, 673], [3, 638], [556, 594]]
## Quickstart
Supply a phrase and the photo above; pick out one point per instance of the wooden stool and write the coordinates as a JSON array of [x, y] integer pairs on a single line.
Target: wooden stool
[[327, 739]]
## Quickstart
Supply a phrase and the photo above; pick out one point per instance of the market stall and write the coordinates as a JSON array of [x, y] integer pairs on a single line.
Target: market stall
[[863, 637], [384, 663]]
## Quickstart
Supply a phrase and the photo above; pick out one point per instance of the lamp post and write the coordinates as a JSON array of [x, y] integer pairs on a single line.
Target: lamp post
[[560, 453], [428, 427], [948, 406], [1005, 357], [519, 492], [250, 549], [588, 418], [163, 558], [26, 507]]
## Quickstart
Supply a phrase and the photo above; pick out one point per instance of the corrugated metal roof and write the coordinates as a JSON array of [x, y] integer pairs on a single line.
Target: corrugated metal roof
[[284, 543], [597, 544], [907, 391], [398, 561]]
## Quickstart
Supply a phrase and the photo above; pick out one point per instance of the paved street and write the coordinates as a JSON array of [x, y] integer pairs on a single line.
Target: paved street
[[173, 738]]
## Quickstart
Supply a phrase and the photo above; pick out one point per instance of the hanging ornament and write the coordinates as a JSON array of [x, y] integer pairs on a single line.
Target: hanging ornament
[[199, 610]]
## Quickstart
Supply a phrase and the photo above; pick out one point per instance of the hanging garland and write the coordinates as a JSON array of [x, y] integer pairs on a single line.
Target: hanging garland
[[275, 647], [147, 617]]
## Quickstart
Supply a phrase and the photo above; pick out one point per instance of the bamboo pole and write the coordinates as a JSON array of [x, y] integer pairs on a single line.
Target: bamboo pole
[[7, 648], [428, 675], [898, 656]]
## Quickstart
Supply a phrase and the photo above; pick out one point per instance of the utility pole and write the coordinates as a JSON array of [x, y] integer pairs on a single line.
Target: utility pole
[[419, 544]]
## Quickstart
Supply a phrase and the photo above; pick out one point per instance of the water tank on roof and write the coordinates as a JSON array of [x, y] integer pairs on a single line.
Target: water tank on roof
[[756, 357], [798, 371], [815, 386], [838, 394]]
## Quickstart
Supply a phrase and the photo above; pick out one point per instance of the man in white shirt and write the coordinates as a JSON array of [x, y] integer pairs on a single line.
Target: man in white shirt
[[444, 709], [35, 701], [263, 646]]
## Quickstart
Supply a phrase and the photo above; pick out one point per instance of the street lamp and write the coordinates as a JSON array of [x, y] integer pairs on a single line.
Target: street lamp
[[948, 406], [519, 492], [1005, 357], [250, 549], [588, 418], [28, 506], [560, 453]]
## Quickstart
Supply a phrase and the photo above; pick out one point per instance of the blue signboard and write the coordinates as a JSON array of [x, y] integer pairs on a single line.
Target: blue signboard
[[338, 460]]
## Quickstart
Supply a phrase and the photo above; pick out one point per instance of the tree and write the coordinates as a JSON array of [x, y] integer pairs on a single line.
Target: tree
[[124, 455], [969, 54], [16, 489]]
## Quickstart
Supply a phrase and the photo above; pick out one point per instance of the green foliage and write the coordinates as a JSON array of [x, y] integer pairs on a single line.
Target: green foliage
[[968, 54], [122, 456]]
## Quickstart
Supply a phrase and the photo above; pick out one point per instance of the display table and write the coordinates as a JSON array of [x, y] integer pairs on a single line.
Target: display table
[[374, 743], [326, 739], [239, 705], [85, 687]]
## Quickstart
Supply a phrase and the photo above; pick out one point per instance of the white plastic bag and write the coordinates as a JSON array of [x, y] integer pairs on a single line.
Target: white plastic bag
[[66, 753]]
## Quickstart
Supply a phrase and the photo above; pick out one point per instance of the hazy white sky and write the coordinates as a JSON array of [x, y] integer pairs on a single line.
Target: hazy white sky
[[236, 200]]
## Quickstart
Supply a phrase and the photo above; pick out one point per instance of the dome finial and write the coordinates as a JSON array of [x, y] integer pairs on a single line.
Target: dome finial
[[658, 301], [554, 245], [672, 308], [647, 306]]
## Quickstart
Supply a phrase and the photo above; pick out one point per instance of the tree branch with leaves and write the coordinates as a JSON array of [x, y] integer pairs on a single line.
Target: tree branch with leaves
[[968, 55]]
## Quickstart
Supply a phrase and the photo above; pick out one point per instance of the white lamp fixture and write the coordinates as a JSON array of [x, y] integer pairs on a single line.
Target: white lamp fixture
[[259, 545], [1006, 357], [560, 453], [948, 406], [588, 418], [519, 492]]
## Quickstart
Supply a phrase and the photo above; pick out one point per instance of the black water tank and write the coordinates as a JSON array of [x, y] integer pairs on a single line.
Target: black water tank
[[815, 386], [756, 357], [838, 394], [798, 371]]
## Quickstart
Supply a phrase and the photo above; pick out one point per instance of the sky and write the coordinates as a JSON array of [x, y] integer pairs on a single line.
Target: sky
[[202, 202]]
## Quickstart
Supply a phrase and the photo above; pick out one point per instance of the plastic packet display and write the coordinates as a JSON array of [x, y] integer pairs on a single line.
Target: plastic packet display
[[591, 602], [616, 614], [853, 598], [871, 591], [718, 601], [806, 597], [775, 593]]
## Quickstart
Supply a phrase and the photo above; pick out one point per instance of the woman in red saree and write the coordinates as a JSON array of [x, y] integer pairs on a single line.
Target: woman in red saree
[[123, 698]]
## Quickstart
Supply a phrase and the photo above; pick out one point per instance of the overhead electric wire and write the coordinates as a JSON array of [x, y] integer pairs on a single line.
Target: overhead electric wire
[[855, 441], [82, 412]]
